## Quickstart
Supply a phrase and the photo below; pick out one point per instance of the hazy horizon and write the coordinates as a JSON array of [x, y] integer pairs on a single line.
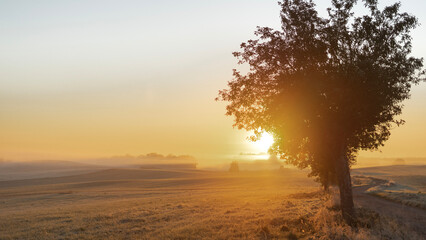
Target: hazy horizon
[[113, 120]]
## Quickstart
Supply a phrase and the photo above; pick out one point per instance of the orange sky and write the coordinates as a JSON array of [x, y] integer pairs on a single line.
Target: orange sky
[[86, 79]]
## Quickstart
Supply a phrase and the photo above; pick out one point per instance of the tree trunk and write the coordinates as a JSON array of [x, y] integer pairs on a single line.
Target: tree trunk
[[345, 188], [326, 187], [326, 182]]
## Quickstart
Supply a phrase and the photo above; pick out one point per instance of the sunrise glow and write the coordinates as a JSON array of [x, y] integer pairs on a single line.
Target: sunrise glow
[[264, 143], [213, 119]]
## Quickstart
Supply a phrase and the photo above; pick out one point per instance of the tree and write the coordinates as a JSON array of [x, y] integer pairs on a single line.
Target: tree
[[326, 88], [234, 167]]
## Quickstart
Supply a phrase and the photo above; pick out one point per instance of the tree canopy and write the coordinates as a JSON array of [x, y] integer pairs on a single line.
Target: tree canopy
[[325, 86]]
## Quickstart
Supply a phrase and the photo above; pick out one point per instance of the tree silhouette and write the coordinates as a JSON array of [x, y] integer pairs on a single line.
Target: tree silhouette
[[234, 167], [326, 87]]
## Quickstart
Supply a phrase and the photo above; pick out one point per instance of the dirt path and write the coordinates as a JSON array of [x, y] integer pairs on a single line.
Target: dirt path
[[414, 217]]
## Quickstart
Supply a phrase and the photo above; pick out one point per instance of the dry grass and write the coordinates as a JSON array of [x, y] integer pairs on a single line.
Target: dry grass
[[407, 198], [329, 224], [388, 189], [359, 181], [401, 184], [258, 205]]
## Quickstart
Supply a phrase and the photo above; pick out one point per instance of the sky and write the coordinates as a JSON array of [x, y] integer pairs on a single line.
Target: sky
[[87, 79]]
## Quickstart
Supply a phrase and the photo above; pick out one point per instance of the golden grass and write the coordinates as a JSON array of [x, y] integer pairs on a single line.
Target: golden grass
[[329, 224], [258, 205]]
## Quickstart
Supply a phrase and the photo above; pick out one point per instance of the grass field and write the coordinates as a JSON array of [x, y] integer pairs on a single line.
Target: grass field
[[403, 184], [180, 204]]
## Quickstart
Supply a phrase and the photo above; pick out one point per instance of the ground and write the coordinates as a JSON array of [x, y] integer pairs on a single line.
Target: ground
[[184, 204], [413, 217]]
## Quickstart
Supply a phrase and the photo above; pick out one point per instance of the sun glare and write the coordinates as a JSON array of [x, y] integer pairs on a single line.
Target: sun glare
[[264, 143]]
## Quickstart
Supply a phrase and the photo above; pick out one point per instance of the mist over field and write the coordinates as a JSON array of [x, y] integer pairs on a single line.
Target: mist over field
[[290, 119], [180, 201]]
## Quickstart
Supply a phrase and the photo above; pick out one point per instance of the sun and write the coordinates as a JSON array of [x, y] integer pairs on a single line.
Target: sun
[[264, 143]]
